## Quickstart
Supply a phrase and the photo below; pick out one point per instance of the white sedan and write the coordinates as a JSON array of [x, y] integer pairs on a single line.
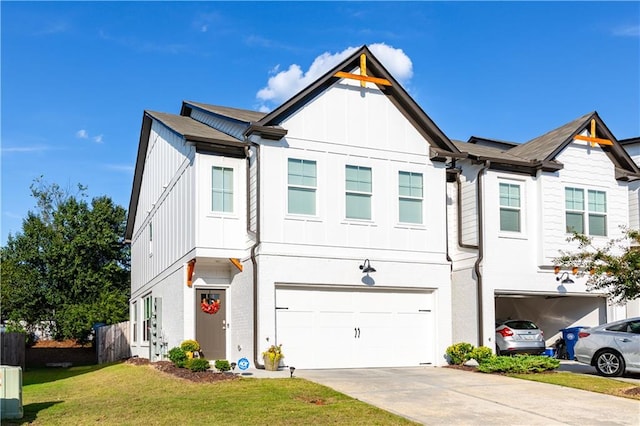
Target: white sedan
[[611, 348]]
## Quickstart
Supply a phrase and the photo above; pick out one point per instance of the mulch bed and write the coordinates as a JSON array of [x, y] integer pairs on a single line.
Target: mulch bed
[[167, 367]]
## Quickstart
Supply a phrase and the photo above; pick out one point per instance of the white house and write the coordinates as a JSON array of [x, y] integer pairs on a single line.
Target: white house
[[321, 226], [512, 207]]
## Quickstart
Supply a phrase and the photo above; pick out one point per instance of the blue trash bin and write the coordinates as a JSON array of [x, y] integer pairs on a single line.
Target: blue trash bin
[[570, 336]]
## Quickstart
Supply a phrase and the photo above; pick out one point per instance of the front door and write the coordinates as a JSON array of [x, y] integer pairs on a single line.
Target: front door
[[211, 324]]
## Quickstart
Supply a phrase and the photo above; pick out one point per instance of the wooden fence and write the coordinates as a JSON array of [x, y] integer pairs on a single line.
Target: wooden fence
[[112, 342], [12, 346]]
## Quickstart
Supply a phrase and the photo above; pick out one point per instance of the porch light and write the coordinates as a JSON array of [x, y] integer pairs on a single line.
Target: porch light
[[291, 370], [366, 267], [566, 279]]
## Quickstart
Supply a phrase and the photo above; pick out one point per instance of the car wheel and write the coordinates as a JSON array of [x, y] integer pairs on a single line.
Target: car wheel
[[609, 364]]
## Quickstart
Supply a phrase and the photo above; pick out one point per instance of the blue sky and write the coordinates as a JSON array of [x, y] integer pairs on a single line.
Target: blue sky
[[76, 77]]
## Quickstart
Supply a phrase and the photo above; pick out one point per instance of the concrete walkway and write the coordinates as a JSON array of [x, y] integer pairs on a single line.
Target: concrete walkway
[[445, 396]]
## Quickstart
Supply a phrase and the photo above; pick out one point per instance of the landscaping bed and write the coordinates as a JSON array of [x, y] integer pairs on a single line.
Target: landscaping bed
[[167, 367]]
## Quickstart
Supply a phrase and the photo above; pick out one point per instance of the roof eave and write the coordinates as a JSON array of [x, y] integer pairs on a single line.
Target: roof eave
[[266, 132]]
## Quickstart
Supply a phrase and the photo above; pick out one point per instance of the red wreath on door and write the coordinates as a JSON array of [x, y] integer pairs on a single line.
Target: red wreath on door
[[210, 308]]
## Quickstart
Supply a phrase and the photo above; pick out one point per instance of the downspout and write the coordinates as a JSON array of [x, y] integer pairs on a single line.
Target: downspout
[[256, 358], [487, 163]]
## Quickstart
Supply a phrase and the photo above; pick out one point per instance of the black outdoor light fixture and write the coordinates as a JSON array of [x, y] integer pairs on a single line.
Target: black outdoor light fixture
[[291, 370], [366, 267], [566, 280]]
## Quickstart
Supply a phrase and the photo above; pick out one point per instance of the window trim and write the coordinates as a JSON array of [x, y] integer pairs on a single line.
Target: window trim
[[586, 211], [519, 209], [348, 192], [303, 187], [134, 321], [411, 197], [147, 313], [223, 191]]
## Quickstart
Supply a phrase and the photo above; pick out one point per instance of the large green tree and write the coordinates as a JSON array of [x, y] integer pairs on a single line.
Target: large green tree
[[69, 267], [613, 267]]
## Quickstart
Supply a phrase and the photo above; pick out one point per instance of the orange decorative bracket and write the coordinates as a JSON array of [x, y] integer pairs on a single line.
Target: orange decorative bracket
[[236, 263], [363, 77], [191, 266], [592, 138]]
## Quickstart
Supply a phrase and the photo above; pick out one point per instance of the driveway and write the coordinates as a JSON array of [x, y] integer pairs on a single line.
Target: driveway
[[445, 396]]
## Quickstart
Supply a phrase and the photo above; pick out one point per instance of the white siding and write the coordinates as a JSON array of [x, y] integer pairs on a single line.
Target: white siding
[[167, 201]]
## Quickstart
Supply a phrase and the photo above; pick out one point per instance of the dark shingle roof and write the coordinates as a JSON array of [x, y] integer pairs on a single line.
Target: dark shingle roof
[[542, 147], [238, 114], [190, 128]]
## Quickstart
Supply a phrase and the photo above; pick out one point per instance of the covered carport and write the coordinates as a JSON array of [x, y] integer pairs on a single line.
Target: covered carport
[[552, 312]]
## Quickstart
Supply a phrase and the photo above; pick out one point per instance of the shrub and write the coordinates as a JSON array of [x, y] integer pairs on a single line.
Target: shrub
[[481, 354], [519, 364], [198, 364], [190, 346], [222, 365], [178, 357], [459, 353]]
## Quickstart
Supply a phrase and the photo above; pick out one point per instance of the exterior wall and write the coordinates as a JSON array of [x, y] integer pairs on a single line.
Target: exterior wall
[[347, 125], [584, 167], [220, 234], [166, 201], [229, 127]]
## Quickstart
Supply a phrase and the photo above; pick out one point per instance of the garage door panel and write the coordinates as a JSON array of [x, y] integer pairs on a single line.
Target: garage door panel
[[342, 329]]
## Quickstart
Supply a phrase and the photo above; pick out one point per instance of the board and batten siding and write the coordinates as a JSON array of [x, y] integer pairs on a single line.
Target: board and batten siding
[[167, 201], [588, 168], [360, 127]]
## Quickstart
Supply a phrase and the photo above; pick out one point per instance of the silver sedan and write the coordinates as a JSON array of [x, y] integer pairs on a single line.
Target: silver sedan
[[611, 348]]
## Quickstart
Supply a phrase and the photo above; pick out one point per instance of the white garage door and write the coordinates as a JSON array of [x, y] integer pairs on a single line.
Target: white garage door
[[324, 328]]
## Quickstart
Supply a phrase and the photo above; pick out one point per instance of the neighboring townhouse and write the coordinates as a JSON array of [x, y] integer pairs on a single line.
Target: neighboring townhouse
[[513, 206], [321, 226], [632, 146]]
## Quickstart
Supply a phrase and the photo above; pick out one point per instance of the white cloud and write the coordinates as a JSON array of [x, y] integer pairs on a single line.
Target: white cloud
[[38, 148], [83, 134], [627, 31], [284, 84], [120, 168]]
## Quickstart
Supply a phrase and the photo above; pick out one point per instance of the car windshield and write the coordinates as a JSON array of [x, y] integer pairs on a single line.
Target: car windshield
[[521, 325]]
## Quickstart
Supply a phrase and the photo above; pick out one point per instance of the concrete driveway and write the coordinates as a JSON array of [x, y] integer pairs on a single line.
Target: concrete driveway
[[445, 396]]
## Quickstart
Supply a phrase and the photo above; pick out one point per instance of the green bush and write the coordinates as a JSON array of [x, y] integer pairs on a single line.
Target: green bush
[[481, 354], [178, 357], [519, 364], [222, 365], [190, 346], [198, 364], [459, 353]]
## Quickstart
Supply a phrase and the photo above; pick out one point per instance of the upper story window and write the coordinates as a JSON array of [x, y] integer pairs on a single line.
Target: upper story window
[[410, 190], [358, 192], [510, 207], [222, 189], [596, 211], [302, 186]]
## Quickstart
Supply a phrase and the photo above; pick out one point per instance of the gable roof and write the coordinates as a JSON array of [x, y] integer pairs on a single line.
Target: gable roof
[[541, 152], [399, 97]]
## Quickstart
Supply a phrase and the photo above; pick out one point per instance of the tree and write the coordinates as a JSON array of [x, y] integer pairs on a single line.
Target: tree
[[613, 268], [69, 267]]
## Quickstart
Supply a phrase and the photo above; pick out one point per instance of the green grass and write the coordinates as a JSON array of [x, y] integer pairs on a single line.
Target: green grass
[[125, 394], [584, 382]]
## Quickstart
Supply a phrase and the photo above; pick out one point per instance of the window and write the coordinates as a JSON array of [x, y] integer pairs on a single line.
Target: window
[[134, 321], [596, 212], [410, 197], [510, 206], [146, 320], [358, 185], [302, 183], [222, 189]]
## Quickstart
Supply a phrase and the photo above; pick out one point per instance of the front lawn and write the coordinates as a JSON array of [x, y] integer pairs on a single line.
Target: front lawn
[[128, 394]]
